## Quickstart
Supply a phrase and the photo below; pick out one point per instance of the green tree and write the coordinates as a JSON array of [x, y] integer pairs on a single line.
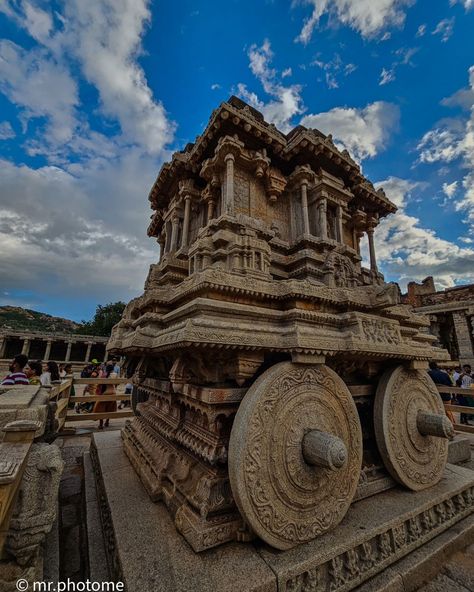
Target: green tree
[[104, 319]]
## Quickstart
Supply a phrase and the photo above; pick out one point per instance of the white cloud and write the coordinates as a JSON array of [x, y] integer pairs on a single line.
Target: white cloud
[[286, 101], [409, 252], [421, 31], [6, 131], [61, 235], [333, 69], [287, 72], [104, 38], [468, 4], [386, 76], [444, 28], [75, 227], [452, 140], [215, 86], [367, 17], [449, 189], [41, 87], [403, 57], [364, 132]]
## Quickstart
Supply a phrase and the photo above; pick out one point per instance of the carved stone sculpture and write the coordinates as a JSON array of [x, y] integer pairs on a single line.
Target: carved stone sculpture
[[261, 339]]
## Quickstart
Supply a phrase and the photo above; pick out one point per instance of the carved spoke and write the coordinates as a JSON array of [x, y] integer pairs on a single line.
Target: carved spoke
[[411, 427], [295, 453]]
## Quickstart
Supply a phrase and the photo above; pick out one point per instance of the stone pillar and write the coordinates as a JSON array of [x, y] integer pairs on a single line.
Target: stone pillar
[[373, 261], [323, 224], [174, 233], [68, 351], [461, 326], [26, 346], [339, 228], [210, 209], [48, 350], [229, 184], [187, 211], [161, 242], [304, 207], [3, 345], [88, 352]]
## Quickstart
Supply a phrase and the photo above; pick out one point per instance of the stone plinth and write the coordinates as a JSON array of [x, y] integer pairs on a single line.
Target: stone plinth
[[24, 403], [146, 552]]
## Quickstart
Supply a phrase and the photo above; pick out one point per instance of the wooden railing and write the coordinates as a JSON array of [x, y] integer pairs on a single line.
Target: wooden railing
[[17, 440], [62, 395], [464, 392]]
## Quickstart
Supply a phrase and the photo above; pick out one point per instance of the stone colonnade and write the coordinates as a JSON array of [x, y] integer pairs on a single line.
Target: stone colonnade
[[58, 347]]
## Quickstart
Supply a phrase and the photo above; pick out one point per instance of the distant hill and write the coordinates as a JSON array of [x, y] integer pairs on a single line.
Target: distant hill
[[15, 318]]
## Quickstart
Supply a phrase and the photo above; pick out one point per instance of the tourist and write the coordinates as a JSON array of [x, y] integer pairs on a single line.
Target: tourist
[[62, 371], [33, 371], [456, 374], [106, 389], [441, 377], [16, 375], [50, 374], [67, 371], [465, 381], [116, 367]]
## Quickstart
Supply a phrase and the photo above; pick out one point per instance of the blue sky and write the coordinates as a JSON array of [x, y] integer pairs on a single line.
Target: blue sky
[[96, 94]]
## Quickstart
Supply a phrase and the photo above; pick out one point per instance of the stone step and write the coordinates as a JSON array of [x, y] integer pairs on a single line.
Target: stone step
[[147, 553]]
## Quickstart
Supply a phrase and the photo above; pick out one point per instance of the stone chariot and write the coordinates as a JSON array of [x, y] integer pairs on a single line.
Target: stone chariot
[[276, 379]]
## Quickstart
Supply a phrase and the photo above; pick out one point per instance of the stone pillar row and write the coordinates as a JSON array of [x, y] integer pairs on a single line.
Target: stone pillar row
[[49, 342]]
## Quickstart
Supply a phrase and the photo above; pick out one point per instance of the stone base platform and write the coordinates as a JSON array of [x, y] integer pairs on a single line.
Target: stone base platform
[[145, 551]]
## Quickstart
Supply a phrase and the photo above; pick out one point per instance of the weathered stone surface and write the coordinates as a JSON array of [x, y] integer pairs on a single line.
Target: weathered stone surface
[[459, 450], [413, 459], [98, 569], [285, 500], [24, 402], [36, 506], [443, 583], [374, 535], [461, 569]]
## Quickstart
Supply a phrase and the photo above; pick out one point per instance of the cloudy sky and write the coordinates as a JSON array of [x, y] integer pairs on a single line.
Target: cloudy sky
[[95, 94]]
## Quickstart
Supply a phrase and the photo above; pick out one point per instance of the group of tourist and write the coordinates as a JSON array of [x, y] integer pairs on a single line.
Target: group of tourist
[[110, 369], [458, 376], [36, 372]]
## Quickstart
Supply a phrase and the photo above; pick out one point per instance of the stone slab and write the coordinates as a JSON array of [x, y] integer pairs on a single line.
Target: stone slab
[[147, 553], [459, 450], [98, 569], [420, 566], [373, 523], [17, 397]]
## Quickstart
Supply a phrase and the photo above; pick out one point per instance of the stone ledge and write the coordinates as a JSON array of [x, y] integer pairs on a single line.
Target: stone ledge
[[147, 553]]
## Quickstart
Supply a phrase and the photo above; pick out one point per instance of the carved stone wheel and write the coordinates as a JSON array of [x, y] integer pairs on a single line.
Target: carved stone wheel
[[295, 453], [411, 427]]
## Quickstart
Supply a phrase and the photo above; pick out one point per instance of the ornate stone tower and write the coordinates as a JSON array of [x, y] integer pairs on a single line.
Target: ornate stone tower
[[276, 379]]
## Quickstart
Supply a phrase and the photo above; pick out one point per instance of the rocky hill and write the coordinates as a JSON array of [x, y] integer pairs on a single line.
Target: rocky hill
[[15, 318]]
